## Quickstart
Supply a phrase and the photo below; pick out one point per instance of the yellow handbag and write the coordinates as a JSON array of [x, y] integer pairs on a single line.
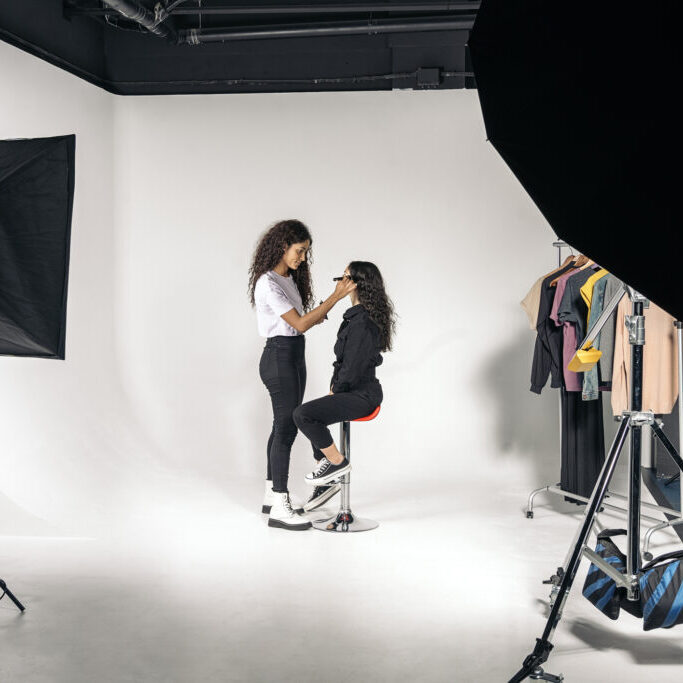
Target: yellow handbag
[[584, 359]]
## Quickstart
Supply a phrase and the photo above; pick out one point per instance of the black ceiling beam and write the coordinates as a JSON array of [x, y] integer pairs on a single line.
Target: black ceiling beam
[[315, 30], [133, 62]]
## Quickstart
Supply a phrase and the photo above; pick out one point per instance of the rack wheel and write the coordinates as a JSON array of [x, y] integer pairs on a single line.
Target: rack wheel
[[648, 556], [529, 514]]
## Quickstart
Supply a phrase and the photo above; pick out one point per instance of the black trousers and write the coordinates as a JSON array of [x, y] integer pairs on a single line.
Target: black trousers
[[313, 418], [283, 370]]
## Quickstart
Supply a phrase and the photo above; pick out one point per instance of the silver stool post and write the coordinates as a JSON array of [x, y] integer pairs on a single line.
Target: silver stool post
[[345, 521]]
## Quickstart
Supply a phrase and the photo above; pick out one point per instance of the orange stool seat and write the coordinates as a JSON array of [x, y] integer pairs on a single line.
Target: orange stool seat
[[371, 416]]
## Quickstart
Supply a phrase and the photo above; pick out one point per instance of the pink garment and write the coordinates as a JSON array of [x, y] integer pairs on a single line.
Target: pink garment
[[573, 380]]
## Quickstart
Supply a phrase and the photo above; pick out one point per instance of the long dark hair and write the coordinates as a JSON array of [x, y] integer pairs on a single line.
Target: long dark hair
[[268, 254], [373, 297]]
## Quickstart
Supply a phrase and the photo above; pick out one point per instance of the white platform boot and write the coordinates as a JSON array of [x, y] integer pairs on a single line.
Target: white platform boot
[[283, 515], [269, 497]]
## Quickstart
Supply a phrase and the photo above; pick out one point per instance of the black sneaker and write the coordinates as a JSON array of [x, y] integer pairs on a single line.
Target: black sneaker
[[320, 495], [326, 471]]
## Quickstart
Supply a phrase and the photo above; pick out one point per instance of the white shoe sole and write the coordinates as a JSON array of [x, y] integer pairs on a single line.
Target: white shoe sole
[[321, 481], [278, 524], [322, 499]]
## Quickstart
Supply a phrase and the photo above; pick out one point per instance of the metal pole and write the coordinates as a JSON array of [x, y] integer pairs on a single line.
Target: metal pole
[[637, 339], [312, 30], [560, 245], [345, 440], [358, 8], [679, 333]]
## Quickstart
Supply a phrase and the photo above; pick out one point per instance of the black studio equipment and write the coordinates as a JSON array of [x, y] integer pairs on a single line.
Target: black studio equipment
[[587, 127], [36, 202]]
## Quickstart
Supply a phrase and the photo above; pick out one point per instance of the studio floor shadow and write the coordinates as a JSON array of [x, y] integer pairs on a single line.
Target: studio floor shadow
[[449, 595]]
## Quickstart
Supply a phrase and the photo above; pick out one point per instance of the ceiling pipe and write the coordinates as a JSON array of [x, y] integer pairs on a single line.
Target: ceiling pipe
[[358, 8], [314, 30], [136, 12]]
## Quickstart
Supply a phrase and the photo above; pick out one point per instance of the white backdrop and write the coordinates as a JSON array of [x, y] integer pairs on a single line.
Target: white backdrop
[[158, 411]]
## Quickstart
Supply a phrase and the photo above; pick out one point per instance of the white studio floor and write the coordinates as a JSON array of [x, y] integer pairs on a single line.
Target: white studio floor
[[447, 589]]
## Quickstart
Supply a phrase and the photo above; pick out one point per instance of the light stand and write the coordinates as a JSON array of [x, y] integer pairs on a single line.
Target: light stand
[[632, 422], [6, 591]]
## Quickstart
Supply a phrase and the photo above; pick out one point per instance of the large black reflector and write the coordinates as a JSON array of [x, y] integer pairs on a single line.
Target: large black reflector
[[579, 102], [36, 200]]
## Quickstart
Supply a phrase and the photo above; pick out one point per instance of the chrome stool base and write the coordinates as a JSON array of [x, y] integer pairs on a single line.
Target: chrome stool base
[[345, 522]]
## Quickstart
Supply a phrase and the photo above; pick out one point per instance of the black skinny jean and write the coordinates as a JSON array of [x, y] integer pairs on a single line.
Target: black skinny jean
[[313, 418], [283, 371]]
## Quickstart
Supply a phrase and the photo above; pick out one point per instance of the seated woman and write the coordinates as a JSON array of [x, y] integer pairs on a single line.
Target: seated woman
[[366, 331]]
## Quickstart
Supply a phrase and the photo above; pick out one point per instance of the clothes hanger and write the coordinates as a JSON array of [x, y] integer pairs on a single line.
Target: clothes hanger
[[581, 262], [567, 261]]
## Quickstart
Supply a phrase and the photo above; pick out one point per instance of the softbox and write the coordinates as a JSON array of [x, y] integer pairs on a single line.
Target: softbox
[[36, 201], [580, 105]]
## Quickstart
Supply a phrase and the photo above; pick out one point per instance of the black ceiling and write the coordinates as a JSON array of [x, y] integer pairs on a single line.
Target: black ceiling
[[143, 47]]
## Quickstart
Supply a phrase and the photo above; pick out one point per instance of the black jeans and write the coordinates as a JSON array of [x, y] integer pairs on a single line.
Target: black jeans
[[312, 418], [283, 371]]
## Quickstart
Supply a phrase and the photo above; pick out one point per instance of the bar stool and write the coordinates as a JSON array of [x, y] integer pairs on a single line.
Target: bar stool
[[345, 521]]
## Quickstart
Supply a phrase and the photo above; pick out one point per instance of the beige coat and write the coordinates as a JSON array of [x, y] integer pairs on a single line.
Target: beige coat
[[660, 361]]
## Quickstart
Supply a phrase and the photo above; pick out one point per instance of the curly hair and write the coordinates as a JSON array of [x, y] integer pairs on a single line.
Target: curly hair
[[373, 297], [268, 254]]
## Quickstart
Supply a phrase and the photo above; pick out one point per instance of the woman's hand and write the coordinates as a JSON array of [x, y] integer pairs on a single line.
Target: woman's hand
[[344, 287]]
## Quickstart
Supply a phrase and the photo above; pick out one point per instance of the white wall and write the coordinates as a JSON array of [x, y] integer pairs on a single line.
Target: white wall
[[159, 403]]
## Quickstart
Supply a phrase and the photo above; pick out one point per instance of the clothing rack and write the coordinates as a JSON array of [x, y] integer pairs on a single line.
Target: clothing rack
[[555, 489]]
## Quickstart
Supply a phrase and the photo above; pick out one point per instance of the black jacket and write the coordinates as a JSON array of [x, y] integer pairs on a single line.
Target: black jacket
[[548, 348], [357, 351]]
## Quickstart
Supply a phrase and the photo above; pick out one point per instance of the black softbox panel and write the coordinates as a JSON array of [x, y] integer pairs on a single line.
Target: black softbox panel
[[36, 201], [580, 103]]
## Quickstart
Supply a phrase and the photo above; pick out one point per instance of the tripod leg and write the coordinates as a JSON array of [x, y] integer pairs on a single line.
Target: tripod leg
[[543, 645], [633, 559], [10, 595]]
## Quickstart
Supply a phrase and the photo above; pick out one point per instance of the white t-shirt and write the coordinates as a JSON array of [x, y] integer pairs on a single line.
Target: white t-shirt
[[274, 295]]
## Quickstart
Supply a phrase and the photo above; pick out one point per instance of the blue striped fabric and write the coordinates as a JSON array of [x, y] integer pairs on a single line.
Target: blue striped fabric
[[659, 591], [594, 587], [601, 604], [675, 610]]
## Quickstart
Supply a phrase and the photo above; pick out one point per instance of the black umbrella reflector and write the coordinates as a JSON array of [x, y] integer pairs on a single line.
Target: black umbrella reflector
[[579, 102], [36, 200]]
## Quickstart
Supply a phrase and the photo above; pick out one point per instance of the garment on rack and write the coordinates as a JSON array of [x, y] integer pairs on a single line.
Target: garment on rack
[[573, 381], [593, 294], [587, 290], [548, 347], [573, 308], [606, 345], [583, 443], [532, 301], [660, 361], [582, 448], [591, 378]]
